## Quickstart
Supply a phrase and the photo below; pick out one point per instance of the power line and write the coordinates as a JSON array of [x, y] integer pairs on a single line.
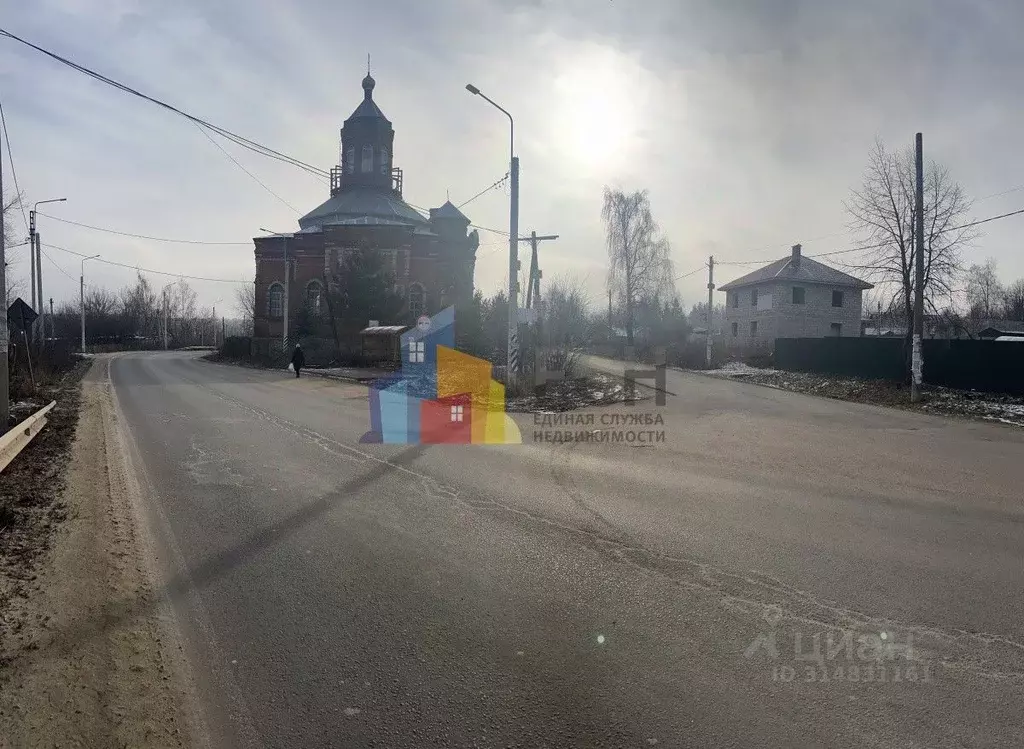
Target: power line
[[144, 270], [55, 265], [695, 270], [486, 189], [142, 236], [882, 244], [14, 172], [236, 163], [234, 137]]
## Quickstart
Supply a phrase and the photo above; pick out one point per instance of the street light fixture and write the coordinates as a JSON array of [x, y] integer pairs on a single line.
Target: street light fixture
[[35, 252], [287, 282], [81, 295], [513, 243]]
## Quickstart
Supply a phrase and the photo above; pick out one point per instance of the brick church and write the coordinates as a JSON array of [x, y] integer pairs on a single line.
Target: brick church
[[432, 259]]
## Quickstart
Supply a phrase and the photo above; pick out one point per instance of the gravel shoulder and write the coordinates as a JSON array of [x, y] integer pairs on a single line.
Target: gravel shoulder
[[88, 657]]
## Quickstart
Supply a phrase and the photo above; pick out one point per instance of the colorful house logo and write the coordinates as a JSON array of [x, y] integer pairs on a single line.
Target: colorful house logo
[[440, 395]]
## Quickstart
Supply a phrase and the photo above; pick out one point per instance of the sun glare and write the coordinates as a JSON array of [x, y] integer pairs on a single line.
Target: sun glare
[[598, 108]]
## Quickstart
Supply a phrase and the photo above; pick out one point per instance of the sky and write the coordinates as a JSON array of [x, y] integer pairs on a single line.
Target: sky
[[748, 121]]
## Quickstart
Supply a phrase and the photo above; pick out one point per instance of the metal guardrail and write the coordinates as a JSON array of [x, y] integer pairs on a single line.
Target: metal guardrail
[[14, 441]]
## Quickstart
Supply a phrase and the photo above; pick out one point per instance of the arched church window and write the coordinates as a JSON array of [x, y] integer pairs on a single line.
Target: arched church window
[[314, 296], [417, 299], [367, 159], [275, 301], [383, 161]]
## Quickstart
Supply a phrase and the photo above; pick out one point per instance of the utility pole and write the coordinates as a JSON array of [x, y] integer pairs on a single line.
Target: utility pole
[[32, 255], [609, 311], [533, 285], [711, 304], [41, 326], [917, 357], [53, 332], [513, 277], [5, 393]]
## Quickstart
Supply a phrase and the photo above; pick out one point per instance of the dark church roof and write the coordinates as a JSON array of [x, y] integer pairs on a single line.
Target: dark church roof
[[448, 211], [352, 205], [368, 107]]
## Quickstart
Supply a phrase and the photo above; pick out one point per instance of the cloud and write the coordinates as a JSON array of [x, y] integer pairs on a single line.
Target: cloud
[[748, 121]]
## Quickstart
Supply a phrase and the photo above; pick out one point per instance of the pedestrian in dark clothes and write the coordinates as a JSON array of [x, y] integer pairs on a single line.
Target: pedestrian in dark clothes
[[298, 359]]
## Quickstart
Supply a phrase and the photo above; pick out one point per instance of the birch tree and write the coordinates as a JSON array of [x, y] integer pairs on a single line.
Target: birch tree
[[638, 254]]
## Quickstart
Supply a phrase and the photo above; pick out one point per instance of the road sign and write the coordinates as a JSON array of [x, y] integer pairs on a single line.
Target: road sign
[[20, 316]]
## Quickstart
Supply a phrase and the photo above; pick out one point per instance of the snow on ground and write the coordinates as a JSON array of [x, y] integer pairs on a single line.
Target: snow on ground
[[1006, 409]]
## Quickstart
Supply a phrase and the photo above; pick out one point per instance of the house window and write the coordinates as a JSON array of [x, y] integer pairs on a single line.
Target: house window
[[753, 328], [836, 329], [416, 299], [735, 298], [314, 296], [367, 159], [735, 329], [350, 160], [753, 297], [383, 161], [457, 413], [417, 352], [837, 299], [798, 294], [275, 301]]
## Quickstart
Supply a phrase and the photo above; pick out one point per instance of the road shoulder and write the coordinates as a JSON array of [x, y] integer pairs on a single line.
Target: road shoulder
[[97, 663]]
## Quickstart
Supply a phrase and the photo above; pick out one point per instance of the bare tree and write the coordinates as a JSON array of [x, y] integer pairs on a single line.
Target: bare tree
[[1013, 301], [984, 292], [882, 211], [12, 241], [638, 255], [245, 302]]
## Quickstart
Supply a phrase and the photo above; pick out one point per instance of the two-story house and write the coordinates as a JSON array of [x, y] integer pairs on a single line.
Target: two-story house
[[794, 297]]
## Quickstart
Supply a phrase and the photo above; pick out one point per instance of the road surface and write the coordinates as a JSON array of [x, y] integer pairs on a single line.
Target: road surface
[[777, 571]]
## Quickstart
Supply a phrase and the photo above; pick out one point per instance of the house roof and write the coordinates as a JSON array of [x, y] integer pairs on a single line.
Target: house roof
[[808, 271], [448, 211]]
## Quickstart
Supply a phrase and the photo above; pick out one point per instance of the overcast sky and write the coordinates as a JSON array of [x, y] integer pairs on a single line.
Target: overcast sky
[[747, 120]]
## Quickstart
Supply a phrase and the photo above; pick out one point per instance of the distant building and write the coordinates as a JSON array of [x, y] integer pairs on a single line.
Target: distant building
[[794, 297], [432, 258]]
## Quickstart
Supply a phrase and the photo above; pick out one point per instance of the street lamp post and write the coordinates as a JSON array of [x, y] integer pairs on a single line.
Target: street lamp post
[[81, 295], [513, 243], [213, 320], [287, 283], [36, 253]]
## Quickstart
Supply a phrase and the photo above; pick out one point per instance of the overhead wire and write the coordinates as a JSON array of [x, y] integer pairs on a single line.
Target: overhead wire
[[235, 161], [485, 190], [14, 172], [142, 236], [144, 270], [224, 132]]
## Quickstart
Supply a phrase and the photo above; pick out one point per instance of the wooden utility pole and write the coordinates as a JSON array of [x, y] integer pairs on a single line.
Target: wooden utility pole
[[533, 285], [917, 357], [5, 392], [711, 305]]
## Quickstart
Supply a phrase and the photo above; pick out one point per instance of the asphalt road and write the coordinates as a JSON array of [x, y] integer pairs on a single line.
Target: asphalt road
[[777, 571]]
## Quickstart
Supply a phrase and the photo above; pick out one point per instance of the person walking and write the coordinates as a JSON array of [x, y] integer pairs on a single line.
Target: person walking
[[298, 359]]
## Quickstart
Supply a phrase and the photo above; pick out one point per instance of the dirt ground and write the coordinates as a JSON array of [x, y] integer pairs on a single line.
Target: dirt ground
[[1006, 409], [85, 657]]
